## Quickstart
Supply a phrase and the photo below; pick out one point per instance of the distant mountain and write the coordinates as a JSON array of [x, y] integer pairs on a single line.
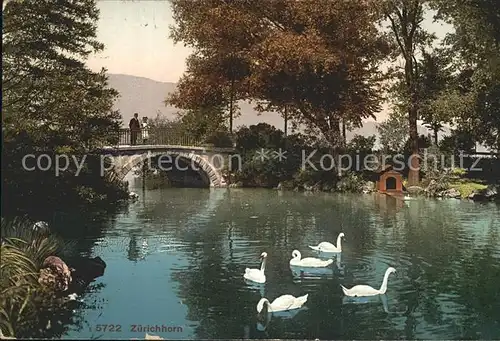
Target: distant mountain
[[146, 96]]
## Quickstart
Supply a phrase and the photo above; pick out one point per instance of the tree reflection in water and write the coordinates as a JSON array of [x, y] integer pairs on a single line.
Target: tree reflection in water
[[447, 270]]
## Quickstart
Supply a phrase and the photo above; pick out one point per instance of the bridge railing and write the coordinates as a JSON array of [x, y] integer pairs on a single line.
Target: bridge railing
[[167, 136], [158, 137]]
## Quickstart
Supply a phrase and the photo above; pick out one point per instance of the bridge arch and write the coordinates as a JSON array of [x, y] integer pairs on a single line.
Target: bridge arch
[[203, 166]]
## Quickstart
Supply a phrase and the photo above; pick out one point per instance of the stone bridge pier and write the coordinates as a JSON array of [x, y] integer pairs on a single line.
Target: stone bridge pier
[[180, 163]]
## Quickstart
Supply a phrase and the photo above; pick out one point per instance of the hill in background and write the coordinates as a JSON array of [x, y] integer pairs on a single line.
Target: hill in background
[[146, 96]]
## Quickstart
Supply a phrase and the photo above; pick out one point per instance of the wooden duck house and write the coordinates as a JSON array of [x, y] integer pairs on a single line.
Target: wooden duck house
[[389, 181]]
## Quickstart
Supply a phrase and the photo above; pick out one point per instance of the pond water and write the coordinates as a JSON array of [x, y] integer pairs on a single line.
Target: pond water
[[176, 257]]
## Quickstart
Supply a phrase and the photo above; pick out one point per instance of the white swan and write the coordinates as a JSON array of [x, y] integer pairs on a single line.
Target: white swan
[[366, 290], [282, 303], [308, 262], [257, 275], [329, 247]]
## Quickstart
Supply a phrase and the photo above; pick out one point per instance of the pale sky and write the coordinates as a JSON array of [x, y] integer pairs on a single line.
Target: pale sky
[[135, 34]]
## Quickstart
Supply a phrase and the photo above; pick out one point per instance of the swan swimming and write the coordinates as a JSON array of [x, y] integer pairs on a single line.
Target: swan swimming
[[257, 275], [329, 247], [282, 303], [308, 262], [366, 290]]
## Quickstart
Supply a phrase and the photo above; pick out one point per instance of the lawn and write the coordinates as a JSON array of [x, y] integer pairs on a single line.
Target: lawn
[[467, 186]]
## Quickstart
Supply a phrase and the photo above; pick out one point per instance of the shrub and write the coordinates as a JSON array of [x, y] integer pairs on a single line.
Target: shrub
[[220, 139], [458, 172], [351, 182], [22, 298], [311, 177]]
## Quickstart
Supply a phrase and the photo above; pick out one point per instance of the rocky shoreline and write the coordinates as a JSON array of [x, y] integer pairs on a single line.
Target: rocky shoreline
[[56, 275], [432, 190], [490, 193]]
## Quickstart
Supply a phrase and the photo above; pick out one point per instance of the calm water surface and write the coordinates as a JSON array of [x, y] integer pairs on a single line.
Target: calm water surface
[[176, 257]]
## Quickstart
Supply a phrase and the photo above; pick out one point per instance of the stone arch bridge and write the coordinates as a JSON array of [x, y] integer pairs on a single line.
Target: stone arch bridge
[[207, 162]]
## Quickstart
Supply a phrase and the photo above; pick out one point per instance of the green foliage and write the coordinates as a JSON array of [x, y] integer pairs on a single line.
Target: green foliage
[[258, 136], [192, 127], [163, 130], [53, 104], [47, 89], [393, 133], [434, 79], [361, 144], [408, 36], [252, 142], [219, 139], [467, 187], [23, 300], [203, 123], [423, 143], [434, 163], [437, 171], [37, 192], [260, 173], [437, 184], [242, 52], [458, 172], [351, 182], [321, 179], [474, 43], [458, 141], [262, 139]]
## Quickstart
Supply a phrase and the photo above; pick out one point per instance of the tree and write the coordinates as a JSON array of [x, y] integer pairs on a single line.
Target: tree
[[191, 126], [405, 17], [393, 132], [53, 104], [320, 62], [47, 89], [362, 144], [203, 123], [458, 140], [475, 42], [214, 79], [424, 142], [434, 84], [267, 171]]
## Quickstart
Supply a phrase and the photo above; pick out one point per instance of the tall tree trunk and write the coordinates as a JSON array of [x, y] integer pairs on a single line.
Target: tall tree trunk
[[414, 172], [285, 116], [344, 135], [405, 17], [231, 100], [335, 140], [436, 131]]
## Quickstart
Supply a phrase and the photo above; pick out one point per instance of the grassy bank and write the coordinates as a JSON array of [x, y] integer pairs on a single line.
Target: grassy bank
[[467, 187]]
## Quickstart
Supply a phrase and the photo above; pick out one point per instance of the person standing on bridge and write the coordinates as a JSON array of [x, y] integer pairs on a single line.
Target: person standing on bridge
[[135, 128], [145, 132]]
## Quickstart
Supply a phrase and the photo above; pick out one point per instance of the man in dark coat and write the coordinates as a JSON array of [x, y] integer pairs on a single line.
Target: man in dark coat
[[135, 128]]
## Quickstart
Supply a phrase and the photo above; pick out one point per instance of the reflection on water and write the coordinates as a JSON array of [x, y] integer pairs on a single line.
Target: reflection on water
[[176, 258], [305, 273], [260, 287], [368, 299]]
